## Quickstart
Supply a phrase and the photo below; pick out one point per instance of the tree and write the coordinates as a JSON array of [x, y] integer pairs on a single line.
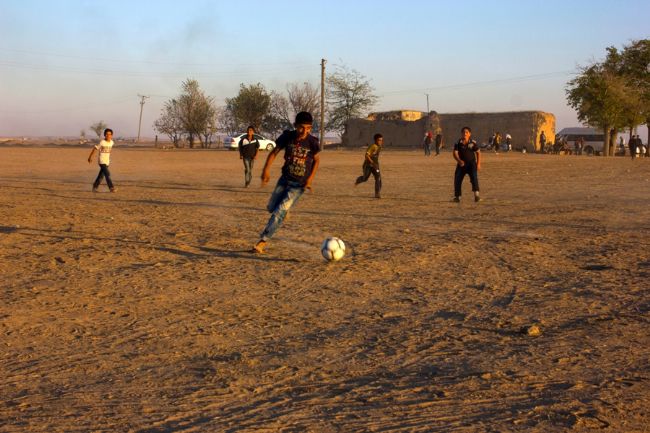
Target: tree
[[304, 97], [635, 67], [349, 95], [211, 126], [614, 94], [598, 95], [98, 128], [195, 110], [192, 114], [169, 122], [226, 121], [278, 117], [250, 106]]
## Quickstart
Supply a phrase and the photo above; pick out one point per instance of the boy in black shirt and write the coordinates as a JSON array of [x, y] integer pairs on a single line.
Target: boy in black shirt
[[301, 160], [248, 148], [468, 158]]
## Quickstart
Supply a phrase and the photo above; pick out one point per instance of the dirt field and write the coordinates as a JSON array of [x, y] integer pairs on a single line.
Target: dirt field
[[143, 311]]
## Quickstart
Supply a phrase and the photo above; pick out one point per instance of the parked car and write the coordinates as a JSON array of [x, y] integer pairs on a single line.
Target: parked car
[[232, 143]]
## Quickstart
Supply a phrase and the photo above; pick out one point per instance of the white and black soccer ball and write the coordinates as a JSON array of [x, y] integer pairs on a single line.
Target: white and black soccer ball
[[332, 249]]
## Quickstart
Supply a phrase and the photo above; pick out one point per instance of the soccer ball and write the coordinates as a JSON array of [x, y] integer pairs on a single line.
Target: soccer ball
[[332, 249]]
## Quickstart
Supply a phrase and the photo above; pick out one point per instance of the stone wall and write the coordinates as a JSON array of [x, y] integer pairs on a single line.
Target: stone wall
[[407, 128], [397, 127], [525, 127]]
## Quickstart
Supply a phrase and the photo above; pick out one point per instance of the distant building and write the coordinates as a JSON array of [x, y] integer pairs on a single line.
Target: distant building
[[406, 128]]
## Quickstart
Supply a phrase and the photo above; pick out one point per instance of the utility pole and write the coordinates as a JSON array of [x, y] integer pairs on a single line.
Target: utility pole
[[427, 103], [142, 98], [321, 127]]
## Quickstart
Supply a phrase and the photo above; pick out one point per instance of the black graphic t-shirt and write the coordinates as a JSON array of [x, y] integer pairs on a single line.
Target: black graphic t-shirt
[[467, 152], [298, 156]]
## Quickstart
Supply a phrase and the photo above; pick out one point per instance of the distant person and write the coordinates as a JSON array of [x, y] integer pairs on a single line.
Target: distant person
[[581, 145], [104, 159], [468, 158], [508, 142], [249, 147], [497, 142], [640, 148], [542, 142], [632, 146], [428, 139], [301, 160], [371, 164], [438, 142]]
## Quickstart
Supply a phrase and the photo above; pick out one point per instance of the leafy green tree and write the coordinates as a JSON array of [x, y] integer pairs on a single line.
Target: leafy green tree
[[250, 106], [349, 95], [614, 94], [598, 95], [635, 67]]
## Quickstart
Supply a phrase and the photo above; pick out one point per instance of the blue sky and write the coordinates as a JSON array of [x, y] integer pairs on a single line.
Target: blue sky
[[68, 63]]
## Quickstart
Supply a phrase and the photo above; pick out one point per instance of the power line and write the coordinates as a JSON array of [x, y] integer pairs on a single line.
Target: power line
[[151, 62], [483, 83], [123, 73], [77, 108]]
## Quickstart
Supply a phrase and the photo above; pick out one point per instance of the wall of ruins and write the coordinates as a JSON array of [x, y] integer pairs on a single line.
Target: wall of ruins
[[404, 129], [525, 127], [401, 129]]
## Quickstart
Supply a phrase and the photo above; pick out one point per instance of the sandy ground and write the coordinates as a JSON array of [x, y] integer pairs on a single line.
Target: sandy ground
[[143, 311]]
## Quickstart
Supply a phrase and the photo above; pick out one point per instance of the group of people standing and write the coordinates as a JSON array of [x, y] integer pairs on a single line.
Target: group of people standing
[[496, 142], [429, 140], [636, 147]]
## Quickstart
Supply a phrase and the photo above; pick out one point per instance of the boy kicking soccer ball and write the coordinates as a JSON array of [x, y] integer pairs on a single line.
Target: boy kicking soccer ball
[[301, 160]]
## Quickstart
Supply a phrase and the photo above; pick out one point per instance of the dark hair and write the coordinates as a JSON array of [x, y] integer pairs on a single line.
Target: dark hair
[[377, 137], [466, 127], [304, 118], [107, 130], [250, 127]]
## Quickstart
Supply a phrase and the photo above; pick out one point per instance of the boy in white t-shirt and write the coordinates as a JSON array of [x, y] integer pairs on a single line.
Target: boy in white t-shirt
[[104, 147]]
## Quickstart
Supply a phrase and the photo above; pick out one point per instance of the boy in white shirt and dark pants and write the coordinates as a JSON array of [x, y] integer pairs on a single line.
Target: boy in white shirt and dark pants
[[104, 147]]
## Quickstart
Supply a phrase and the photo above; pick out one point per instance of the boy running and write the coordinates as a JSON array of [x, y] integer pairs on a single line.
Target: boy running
[[104, 147], [301, 160], [248, 146], [371, 164]]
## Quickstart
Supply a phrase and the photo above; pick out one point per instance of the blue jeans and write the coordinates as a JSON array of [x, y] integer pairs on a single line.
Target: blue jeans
[[103, 172], [284, 196], [248, 169]]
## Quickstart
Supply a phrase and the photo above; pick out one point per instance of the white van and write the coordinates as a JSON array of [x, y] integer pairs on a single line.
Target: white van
[[594, 139]]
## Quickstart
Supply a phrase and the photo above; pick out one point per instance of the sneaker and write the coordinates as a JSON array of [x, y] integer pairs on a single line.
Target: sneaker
[[456, 200], [259, 247], [377, 196], [94, 189], [113, 189], [477, 199]]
